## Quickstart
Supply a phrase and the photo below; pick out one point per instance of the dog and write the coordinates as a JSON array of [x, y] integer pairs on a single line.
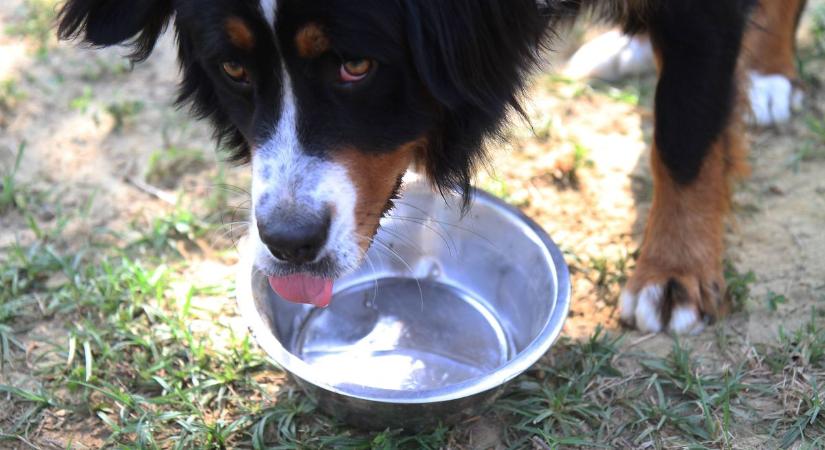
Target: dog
[[332, 101]]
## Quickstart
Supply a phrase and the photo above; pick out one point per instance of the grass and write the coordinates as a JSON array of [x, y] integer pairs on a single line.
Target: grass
[[738, 286], [10, 192], [172, 232], [813, 146], [815, 51], [35, 23], [124, 112], [774, 300], [125, 339], [10, 95], [130, 356], [82, 102], [167, 166], [798, 360], [137, 354], [582, 397]]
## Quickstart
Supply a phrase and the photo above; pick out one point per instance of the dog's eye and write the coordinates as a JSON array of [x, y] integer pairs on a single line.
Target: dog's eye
[[236, 72], [355, 70]]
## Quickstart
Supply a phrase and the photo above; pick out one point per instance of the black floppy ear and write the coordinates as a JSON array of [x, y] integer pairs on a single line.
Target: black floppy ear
[[471, 52], [473, 57], [109, 22]]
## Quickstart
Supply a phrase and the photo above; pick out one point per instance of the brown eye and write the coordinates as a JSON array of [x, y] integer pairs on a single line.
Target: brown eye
[[355, 70], [236, 72]]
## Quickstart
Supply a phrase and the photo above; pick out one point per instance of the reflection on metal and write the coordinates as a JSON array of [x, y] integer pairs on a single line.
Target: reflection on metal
[[444, 312]]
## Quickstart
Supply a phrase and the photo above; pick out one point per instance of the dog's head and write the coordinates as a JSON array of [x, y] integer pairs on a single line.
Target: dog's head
[[331, 101]]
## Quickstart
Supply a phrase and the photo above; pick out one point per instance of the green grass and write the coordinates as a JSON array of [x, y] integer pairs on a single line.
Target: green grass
[[130, 357], [799, 361], [10, 95], [124, 112], [103, 68], [774, 300], [812, 147], [738, 286], [816, 51], [138, 353], [10, 194], [167, 166], [583, 397], [82, 102], [167, 232], [35, 23]]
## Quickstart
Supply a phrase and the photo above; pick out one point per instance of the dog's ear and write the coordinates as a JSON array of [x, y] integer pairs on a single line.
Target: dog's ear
[[471, 52], [473, 57], [138, 23]]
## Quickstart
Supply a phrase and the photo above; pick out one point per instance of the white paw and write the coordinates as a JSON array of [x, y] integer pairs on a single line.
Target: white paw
[[612, 56], [773, 99], [644, 311]]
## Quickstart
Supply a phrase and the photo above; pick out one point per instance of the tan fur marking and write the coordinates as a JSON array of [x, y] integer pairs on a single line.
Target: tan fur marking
[[684, 234], [311, 41], [239, 33], [375, 177], [770, 43]]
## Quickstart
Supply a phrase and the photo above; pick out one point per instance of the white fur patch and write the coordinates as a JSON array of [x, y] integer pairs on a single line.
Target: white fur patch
[[686, 320], [268, 7], [612, 56], [284, 175], [773, 99], [644, 310], [648, 309], [627, 307]]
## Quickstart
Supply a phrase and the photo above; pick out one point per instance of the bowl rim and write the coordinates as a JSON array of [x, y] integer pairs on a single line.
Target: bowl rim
[[511, 369]]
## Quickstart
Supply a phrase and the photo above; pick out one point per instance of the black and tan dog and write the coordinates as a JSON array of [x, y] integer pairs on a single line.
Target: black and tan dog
[[333, 100]]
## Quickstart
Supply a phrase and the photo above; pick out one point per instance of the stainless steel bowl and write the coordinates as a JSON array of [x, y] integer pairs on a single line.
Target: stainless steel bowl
[[444, 312]]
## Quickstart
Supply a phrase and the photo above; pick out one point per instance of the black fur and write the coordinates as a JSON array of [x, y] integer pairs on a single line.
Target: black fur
[[109, 22], [699, 42], [202, 47], [473, 57], [449, 70]]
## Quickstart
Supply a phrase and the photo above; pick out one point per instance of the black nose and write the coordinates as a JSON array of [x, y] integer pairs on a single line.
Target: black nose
[[295, 238]]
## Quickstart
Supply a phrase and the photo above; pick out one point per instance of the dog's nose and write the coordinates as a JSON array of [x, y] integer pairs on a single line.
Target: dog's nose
[[295, 238]]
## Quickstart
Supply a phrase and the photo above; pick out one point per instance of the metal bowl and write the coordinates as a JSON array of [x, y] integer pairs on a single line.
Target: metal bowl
[[444, 312]]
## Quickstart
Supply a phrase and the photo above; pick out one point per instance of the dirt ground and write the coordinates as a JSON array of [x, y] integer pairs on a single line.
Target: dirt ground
[[93, 129]]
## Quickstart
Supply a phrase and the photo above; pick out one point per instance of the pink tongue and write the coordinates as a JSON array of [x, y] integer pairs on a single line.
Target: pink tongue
[[302, 288]]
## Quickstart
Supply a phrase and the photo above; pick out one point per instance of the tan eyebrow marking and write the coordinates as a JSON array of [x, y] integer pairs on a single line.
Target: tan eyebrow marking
[[239, 33], [311, 41]]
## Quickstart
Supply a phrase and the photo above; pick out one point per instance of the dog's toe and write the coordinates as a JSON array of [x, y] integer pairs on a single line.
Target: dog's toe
[[665, 307], [686, 319], [773, 99]]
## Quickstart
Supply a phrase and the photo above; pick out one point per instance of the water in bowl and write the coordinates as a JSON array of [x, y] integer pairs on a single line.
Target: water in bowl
[[403, 334]]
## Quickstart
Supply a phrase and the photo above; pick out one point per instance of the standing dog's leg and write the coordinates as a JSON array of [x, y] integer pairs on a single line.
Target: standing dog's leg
[[769, 53], [678, 283]]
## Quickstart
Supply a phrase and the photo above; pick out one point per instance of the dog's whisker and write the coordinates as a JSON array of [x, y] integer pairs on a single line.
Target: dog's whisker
[[238, 222], [374, 279], [404, 240], [409, 268], [231, 234], [448, 224], [447, 243], [231, 188]]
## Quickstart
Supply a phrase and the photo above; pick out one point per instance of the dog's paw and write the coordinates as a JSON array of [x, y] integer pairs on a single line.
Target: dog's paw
[[773, 99], [676, 304], [611, 57]]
